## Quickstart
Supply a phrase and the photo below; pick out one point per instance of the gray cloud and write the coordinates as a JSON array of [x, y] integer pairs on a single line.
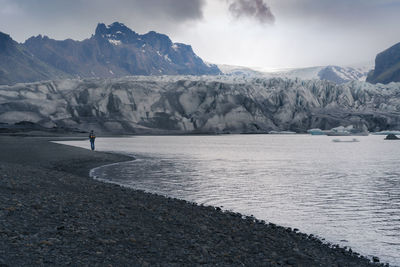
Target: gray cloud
[[256, 9], [338, 12], [77, 18], [306, 32], [179, 10]]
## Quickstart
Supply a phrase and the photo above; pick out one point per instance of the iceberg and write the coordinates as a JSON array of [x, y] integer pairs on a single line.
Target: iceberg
[[316, 131], [347, 131]]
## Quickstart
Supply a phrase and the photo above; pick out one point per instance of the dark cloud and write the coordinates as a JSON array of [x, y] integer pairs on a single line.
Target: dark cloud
[[306, 32], [178, 10], [256, 9], [78, 18]]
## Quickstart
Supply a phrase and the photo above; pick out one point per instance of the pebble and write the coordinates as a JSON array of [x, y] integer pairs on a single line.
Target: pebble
[[54, 215]]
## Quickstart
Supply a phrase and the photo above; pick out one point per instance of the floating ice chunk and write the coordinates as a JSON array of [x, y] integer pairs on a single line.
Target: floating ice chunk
[[316, 131], [281, 132]]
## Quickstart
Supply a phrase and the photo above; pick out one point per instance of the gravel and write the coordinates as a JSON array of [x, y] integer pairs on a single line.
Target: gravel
[[53, 213]]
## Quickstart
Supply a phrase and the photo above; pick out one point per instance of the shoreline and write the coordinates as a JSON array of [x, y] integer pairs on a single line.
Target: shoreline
[[53, 213]]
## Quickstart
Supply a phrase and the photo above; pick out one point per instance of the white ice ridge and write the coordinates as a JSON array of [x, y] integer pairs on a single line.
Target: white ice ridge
[[233, 104]]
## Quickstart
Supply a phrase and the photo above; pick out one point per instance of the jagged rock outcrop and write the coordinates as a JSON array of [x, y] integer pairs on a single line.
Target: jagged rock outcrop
[[172, 104], [387, 66]]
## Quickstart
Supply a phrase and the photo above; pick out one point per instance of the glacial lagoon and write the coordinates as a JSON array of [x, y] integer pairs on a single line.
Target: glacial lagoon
[[345, 193]]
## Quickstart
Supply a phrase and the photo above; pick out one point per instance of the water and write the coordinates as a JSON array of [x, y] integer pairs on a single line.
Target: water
[[347, 193]]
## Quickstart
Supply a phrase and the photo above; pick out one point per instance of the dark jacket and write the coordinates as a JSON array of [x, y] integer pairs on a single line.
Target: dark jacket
[[92, 137]]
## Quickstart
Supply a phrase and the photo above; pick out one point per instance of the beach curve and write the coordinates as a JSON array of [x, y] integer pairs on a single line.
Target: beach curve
[[53, 213]]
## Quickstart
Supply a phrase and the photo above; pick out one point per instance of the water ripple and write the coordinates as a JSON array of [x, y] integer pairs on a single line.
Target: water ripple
[[347, 193]]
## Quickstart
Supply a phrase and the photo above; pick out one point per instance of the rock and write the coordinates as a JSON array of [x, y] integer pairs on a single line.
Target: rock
[[387, 67], [88, 234], [375, 259], [391, 137]]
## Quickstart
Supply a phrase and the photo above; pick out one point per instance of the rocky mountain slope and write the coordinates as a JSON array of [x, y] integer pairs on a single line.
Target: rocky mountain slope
[[387, 66], [17, 64], [177, 104], [113, 51]]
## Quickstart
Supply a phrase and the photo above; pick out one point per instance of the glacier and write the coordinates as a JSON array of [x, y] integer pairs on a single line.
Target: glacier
[[336, 74], [201, 104]]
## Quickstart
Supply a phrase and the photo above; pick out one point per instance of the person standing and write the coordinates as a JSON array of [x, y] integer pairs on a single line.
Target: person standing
[[92, 136]]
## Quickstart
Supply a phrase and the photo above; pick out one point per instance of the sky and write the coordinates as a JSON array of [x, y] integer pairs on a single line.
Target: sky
[[268, 34]]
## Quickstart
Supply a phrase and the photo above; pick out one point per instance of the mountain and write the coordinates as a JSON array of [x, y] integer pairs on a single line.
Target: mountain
[[232, 70], [113, 51], [341, 75], [387, 66], [17, 64], [334, 74], [206, 104]]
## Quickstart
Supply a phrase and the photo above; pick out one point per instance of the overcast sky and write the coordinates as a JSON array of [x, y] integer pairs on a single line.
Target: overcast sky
[[263, 33]]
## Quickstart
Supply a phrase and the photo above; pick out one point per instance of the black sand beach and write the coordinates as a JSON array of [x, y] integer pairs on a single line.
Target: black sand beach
[[53, 213]]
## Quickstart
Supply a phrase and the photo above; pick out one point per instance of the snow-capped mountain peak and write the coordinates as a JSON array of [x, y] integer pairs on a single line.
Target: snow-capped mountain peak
[[116, 32]]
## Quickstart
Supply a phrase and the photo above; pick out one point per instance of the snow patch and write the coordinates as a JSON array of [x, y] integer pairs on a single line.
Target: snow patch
[[166, 57], [175, 47], [114, 42]]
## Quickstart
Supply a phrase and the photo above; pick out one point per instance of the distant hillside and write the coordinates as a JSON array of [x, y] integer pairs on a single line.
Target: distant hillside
[[334, 74], [231, 70], [113, 51], [387, 66], [19, 65]]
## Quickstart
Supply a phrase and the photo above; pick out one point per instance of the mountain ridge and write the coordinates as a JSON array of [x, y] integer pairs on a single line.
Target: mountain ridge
[[336, 74], [17, 64], [113, 51]]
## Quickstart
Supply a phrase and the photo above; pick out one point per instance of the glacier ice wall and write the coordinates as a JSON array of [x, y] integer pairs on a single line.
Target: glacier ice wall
[[216, 104]]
